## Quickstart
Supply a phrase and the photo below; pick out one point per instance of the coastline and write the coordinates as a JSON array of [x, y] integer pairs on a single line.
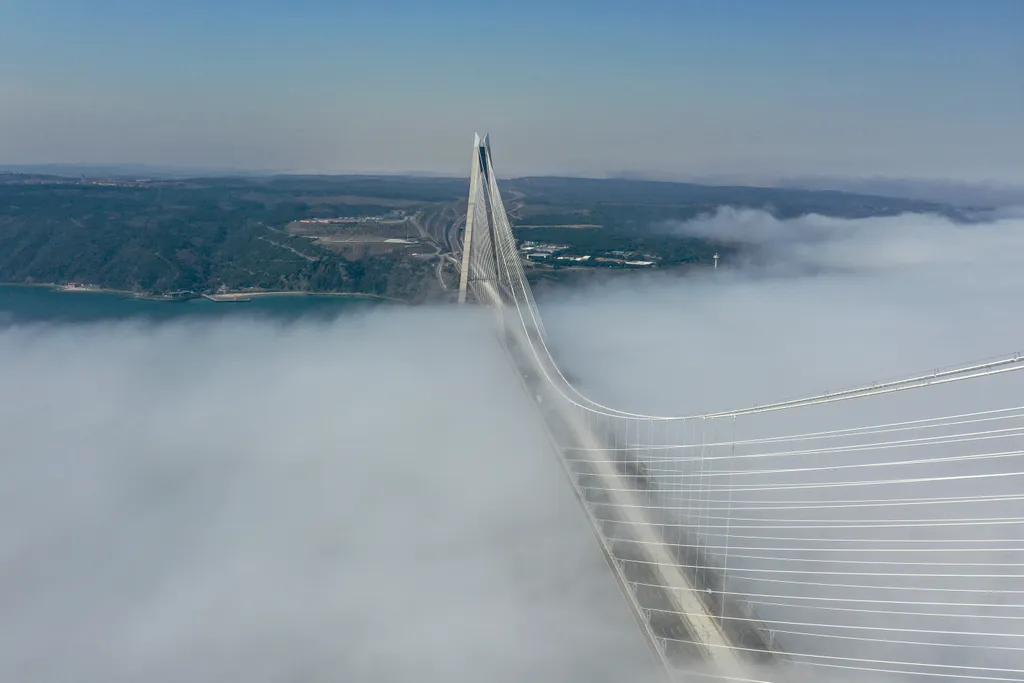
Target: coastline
[[89, 289], [227, 297], [244, 296]]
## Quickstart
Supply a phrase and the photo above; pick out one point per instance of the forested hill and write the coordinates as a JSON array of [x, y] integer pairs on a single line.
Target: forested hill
[[362, 234], [201, 236]]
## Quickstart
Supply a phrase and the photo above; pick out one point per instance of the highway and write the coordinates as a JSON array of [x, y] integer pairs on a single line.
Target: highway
[[677, 598], [434, 228], [684, 629], [453, 236]]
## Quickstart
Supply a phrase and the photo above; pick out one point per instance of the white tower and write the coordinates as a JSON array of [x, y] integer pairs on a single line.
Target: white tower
[[716, 260], [472, 209]]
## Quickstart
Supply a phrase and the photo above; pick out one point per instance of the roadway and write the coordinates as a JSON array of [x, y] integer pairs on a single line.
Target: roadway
[[649, 558], [687, 620], [434, 228], [674, 609]]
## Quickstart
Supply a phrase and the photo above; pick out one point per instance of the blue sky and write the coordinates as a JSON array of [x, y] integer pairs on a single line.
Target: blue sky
[[911, 88]]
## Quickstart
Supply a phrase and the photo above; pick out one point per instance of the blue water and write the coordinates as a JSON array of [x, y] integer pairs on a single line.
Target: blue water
[[42, 304]]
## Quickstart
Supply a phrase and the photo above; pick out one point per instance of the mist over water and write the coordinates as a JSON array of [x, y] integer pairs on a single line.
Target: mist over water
[[370, 498], [806, 305], [367, 499], [818, 304]]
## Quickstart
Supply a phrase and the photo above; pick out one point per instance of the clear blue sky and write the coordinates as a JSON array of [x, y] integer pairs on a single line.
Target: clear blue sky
[[922, 88]]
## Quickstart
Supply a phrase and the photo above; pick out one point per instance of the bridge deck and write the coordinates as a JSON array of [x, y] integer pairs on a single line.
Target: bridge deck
[[674, 604]]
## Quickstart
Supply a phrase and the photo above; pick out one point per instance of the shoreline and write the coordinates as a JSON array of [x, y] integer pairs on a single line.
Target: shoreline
[[226, 297], [242, 297]]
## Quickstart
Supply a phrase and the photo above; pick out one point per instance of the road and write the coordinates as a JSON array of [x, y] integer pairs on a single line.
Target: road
[[439, 225], [453, 236], [442, 226], [670, 591]]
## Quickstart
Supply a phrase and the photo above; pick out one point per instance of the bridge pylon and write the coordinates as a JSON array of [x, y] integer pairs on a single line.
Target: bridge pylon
[[477, 218], [682, 613], [705, 572]]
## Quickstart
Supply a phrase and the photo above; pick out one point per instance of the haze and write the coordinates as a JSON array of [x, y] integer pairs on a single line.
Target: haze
[[918, 88], [815, 304], [254, 502], [371, 499]]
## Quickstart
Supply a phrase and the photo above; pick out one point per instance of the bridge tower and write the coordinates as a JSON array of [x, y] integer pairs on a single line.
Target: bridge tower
[[477, 210], [658, 494], [684, 614]]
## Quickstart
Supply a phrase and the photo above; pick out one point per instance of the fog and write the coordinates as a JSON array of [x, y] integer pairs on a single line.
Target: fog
[[371, 498], [366, 500], [804, 305], [815, 304]]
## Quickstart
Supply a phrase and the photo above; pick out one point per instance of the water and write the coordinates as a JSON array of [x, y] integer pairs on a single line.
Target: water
[[20, 304]]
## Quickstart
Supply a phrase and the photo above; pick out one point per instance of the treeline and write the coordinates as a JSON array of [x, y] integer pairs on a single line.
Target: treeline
[[182, 237], [783, 202]]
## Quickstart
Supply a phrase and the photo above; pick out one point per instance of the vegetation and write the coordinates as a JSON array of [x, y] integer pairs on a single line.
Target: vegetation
[[173, 236], [631, 218], [619, 199], [198, 236]]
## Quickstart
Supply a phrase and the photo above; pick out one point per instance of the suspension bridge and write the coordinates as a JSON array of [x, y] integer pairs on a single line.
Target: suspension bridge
[[875, 532]]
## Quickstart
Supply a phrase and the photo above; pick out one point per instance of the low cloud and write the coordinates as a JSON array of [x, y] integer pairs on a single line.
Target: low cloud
[[802, 305], [815, 304], [365, 500], [825, 243], [368, 499]]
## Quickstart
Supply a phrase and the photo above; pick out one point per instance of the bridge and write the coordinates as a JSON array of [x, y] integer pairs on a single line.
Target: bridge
[[874, 531]]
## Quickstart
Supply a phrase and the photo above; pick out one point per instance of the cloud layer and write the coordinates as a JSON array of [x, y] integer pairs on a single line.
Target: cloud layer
[[369, 499], [366, 500], [817, 304], [807, 304]]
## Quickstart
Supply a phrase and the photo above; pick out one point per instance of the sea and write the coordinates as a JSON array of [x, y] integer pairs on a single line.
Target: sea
[[25, 304]]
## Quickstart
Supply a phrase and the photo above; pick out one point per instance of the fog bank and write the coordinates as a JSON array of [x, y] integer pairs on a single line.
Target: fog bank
[[805, 305], [816, 304], [364, 500]]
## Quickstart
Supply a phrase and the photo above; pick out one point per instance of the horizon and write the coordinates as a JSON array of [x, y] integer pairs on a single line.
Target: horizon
[[948, 192], [911, 90]]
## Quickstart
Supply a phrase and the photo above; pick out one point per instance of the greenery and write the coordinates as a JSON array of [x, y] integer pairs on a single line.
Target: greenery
[[199, 236], [633, 216], [618, 198], [190, 236]]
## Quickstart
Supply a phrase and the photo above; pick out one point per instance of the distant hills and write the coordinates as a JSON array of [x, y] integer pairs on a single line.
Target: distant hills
[[945, 192], [126, 171]]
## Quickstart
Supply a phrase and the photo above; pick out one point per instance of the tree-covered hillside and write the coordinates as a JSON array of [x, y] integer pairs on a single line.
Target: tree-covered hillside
[[199, 236]]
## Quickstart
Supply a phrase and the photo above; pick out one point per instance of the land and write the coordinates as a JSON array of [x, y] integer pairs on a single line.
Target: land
[[230, 238]]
